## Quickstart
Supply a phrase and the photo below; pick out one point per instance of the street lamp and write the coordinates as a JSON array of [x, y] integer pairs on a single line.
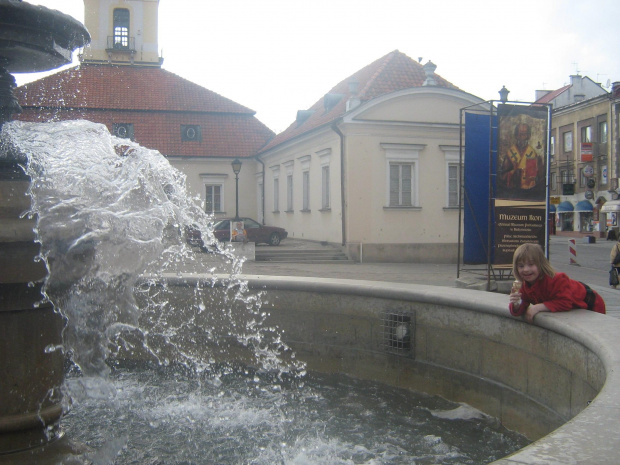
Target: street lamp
[[236, 166], [503, 94]]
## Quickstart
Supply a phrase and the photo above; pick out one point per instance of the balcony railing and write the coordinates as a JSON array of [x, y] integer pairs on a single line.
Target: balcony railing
[[115, 44]]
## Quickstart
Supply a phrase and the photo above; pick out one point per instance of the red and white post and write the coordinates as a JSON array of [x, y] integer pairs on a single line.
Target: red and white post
[[572, 252]]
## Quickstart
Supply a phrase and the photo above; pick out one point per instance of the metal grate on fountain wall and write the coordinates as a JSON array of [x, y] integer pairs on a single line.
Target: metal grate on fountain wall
[[398, 333]]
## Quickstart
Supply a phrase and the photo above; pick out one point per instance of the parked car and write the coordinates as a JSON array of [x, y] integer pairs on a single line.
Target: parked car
[[255, 231], [193, 236]]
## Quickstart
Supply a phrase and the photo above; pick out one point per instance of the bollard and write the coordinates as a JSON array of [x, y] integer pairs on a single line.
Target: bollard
[[572, 252]]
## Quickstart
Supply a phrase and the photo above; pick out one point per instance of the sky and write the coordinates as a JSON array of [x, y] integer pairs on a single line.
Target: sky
[[280, 56]]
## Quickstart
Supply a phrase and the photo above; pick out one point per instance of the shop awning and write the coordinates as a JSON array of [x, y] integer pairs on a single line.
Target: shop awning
[[584, 206], [551, 208], [611, 206], [565, 206]]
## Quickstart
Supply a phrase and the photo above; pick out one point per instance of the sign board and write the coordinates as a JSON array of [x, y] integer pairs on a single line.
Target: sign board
[[589, 195], [588, 171], [568, 189], [520, 205], [586, 152], [554, 200]]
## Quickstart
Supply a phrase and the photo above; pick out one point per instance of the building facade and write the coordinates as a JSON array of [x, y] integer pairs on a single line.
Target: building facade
[[120, 83], [584, 167], [373, 165], [581, 88]]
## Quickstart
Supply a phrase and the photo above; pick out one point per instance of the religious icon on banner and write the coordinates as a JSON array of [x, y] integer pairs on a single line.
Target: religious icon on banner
[[522, 153]]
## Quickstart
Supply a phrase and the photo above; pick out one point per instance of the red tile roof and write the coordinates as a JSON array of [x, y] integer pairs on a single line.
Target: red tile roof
[[155, 101], [390, 73], [547, 98]]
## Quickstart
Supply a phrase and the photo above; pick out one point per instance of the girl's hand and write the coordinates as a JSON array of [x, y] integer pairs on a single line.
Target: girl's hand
[[515, 298], [534, 310]]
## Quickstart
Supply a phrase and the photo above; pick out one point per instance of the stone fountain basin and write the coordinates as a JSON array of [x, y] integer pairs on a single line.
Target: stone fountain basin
[[556, 381]]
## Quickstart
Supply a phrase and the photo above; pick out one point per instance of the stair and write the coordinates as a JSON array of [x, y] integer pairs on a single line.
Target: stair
[[316, 254]]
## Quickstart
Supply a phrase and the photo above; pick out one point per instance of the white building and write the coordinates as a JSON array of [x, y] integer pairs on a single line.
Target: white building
[[374, 165]]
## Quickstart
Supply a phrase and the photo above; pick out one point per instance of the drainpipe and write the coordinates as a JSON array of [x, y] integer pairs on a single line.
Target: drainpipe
[[342, 180], [262, 194], [613, 144]]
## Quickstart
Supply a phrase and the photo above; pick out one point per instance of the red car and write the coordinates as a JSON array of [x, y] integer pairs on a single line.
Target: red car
[[255, 231]]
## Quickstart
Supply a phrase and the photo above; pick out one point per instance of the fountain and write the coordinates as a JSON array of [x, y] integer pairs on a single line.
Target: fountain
[[168, 356], [205, 360], [32, 38], [206, 366]]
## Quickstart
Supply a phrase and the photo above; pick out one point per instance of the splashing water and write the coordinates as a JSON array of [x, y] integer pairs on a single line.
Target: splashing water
[[111, 217], [107, 210]]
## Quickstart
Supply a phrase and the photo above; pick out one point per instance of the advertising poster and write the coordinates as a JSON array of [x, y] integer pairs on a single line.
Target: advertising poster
[[516, 225], [237, 231], [521, 194]]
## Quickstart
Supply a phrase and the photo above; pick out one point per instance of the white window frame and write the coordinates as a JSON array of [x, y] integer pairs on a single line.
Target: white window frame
[[452, 160], [289, 192], [403, 154], [216, 208], [567, 140], [275, 171], [325, 159], [325, 197], [602, 132], [214, 179], [304, 162], [583, 180], [586, 134], [305, 182], [289, 185]]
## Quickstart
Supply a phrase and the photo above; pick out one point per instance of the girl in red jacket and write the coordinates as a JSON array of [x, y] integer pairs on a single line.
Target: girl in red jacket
[[544, 290]]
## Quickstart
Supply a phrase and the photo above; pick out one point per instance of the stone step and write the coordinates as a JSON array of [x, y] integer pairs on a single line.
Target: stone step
[[273, 254]]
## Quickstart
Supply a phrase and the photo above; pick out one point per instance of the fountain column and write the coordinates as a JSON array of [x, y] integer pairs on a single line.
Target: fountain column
[[32, 38]]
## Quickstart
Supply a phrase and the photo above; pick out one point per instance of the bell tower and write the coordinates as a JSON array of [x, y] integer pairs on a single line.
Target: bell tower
[[123, 32]]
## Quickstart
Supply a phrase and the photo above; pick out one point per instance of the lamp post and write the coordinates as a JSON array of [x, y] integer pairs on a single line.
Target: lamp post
[[236, 166], [503, 94]]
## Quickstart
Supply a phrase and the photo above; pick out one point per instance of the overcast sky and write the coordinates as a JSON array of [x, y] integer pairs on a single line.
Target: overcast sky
[[280, 56]]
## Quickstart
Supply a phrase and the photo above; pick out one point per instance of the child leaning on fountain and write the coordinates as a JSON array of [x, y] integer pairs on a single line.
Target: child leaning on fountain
[[545, 290]]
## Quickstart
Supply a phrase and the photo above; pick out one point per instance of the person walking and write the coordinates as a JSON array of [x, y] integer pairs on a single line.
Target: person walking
[[614, 259]]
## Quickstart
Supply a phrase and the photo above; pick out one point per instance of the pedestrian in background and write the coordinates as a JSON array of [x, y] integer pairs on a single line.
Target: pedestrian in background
[[614, 259]]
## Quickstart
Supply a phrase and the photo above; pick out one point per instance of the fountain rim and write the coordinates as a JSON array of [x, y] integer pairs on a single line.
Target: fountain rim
[[591, 434]]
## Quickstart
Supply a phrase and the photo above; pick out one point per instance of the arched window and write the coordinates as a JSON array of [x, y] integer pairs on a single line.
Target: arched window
[[121, 28]]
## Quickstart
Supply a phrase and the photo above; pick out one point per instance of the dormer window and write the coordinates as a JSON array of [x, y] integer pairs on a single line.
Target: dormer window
[[190, 132], [123, 130], [121, 28]]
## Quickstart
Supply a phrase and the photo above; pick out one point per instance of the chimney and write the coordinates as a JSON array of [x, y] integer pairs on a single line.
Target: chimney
[[354, 100], [429, 69], [576, 81], [576, 89]]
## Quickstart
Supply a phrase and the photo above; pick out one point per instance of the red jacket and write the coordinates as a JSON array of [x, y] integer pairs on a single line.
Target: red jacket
[[559, 294]]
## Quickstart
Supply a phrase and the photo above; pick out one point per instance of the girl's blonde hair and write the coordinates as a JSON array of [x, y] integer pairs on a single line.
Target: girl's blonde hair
[[531, 253]]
